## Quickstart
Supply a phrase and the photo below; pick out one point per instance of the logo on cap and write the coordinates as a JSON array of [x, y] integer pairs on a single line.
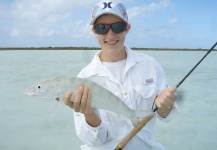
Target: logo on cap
[[107, 5]]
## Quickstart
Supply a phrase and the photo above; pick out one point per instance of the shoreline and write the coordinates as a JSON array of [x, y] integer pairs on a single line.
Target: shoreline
[[97, 48]]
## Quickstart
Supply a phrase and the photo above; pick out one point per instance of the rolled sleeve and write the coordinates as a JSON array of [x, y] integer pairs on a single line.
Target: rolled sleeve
[[95, 136], [90, 135]]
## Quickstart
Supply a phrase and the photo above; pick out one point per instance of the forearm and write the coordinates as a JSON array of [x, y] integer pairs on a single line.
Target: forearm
[[93, 120]]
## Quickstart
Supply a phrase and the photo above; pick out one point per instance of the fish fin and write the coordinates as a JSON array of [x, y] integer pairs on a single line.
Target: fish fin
[[101, 80], [55, 103]]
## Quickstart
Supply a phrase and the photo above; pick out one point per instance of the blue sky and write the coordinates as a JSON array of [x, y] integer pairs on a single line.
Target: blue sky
[[155, 23]]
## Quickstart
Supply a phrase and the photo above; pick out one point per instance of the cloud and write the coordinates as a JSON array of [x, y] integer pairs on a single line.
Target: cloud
[[156, 33], [37, 18], [146, 9], [14, 33], [78, 29], [173, 21], [45, 18], [162, 31]]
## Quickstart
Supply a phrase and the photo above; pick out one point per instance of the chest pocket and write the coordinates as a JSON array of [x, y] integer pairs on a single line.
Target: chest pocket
[[145, 94], [146, 91]]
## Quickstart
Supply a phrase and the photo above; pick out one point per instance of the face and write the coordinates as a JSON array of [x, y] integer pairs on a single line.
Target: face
[[112, 44]]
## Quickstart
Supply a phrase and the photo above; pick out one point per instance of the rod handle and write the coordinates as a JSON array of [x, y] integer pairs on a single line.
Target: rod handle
[[135, 130]]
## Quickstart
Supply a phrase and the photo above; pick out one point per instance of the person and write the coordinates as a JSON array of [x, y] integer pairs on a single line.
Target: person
[[137, 79]]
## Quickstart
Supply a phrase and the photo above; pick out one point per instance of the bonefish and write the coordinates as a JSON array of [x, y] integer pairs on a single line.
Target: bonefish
[[101, 98]]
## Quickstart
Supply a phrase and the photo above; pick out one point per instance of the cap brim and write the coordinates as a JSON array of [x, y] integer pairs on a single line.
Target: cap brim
[[106, 13]]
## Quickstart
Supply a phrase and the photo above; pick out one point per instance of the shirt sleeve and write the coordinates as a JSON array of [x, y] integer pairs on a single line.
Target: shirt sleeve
[[92, 135], [89, 135]]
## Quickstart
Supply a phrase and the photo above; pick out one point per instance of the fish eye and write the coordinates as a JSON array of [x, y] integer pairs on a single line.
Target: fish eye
[[39, 87]]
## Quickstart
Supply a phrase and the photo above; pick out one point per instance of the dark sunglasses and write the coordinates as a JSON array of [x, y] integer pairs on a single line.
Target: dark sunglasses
[[103, 29]]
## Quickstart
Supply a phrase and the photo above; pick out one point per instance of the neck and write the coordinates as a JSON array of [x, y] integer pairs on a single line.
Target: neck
[[113, 57]]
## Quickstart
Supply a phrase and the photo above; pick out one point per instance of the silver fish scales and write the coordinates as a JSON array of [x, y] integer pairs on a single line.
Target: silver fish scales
[[101, 97]]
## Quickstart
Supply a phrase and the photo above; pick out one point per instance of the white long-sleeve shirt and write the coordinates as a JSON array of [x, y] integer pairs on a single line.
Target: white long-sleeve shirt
[[142, 80]]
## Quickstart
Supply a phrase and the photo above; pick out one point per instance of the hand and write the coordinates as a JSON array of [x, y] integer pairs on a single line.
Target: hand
[[165, 101], [82, 104]]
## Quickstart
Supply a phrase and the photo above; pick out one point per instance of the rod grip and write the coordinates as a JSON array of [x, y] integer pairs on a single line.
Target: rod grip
[[118, 148], [135, 130]]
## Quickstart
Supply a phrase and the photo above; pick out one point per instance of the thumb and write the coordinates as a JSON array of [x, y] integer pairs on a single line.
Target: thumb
[[173, 90], [67, 99]]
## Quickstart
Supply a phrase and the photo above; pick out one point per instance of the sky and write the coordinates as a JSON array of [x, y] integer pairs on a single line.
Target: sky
[[64, 23]]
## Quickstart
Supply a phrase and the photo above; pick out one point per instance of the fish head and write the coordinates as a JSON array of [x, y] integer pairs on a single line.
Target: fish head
[[42, 89]]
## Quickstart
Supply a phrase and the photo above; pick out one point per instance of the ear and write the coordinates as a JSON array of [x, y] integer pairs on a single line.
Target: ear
[[128, 27], [93, 30]]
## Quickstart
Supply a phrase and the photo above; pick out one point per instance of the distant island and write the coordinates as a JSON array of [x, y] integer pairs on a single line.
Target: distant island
[[97, 48]]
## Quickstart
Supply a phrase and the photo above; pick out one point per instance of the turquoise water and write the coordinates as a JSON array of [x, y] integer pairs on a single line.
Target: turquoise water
[[32, 123]]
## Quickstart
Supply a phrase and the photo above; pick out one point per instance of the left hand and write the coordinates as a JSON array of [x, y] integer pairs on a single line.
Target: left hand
[[165, 101]]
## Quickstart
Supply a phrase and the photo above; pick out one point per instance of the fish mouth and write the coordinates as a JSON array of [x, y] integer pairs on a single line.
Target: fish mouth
[[35, 95], [30, 94]]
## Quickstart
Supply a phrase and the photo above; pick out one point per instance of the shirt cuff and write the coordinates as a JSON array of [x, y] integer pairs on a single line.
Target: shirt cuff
[[94, 130]]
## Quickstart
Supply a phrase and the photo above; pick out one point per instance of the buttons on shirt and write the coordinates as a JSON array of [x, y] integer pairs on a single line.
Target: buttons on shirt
[[125, 94]]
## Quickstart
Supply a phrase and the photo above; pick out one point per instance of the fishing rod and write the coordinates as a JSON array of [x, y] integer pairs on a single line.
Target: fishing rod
[[196, 65], [186, 76], [145, 120]]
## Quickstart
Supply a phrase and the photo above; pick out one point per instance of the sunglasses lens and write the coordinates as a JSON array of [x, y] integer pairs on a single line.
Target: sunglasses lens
[[119, 27], [104, 28]]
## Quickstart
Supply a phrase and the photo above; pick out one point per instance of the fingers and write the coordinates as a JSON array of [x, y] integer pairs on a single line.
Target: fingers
[[88, 105], [173, 90], [67, 99], [82, 100], [168, 94], [165, 101], [77, 100]]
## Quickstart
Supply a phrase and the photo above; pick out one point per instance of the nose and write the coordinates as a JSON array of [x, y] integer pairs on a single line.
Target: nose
[[110, 34]]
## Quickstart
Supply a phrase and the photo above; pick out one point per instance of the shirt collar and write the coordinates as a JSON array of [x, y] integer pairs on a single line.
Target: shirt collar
[[100, 70], [132, 58]]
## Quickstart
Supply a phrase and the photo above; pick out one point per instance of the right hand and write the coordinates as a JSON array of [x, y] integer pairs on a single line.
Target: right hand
[[82, 104]]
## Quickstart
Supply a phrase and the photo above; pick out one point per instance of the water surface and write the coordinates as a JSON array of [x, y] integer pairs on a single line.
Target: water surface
[[32, 123]]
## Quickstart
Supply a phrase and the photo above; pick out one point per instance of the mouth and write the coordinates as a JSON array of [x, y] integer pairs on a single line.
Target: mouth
[[111, 43], [30, 94]]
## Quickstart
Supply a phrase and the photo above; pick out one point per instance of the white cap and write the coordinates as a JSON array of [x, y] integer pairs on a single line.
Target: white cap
[[113, 7]]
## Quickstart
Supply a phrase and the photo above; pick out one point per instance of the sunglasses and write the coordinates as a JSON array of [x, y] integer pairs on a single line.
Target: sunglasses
[[103, 29]]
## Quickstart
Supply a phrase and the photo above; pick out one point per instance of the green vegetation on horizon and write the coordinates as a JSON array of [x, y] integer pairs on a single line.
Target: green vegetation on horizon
[[96, 48]]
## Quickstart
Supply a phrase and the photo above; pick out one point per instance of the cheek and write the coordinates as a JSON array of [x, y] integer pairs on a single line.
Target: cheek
[[122, 37], [99, 38]]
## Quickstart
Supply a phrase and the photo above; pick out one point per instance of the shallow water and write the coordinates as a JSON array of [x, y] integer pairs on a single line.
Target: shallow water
[[32, 123]]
